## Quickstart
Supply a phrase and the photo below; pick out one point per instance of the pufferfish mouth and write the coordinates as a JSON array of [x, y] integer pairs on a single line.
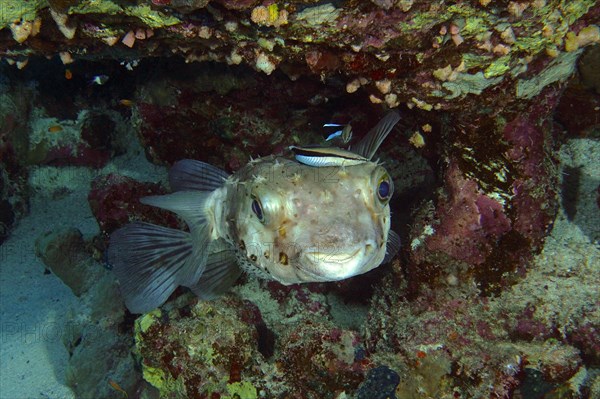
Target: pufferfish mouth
[[332, 265]]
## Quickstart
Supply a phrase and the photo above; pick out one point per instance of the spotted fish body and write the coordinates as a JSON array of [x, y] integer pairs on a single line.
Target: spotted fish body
[[323, 216]]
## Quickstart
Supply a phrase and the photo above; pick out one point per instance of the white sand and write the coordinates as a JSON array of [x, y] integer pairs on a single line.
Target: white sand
[[33, 304]]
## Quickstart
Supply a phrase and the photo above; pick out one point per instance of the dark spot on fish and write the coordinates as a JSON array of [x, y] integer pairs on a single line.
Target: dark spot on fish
[[242, 245], [253, 257], [266, 254], [283, 258]]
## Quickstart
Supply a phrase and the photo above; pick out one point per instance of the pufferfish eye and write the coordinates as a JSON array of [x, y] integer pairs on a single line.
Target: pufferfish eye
[[385, 188], [257, 209]]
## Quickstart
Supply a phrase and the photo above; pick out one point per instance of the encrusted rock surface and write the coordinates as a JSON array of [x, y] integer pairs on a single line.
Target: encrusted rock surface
[[439, 55]]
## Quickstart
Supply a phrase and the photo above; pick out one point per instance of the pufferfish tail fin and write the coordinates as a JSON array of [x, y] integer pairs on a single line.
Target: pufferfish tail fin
[[152, 261], [149, 261]]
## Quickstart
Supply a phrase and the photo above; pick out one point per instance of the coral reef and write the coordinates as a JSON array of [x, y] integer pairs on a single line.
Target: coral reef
[[486, 299], [217, 348], [499, 199], [432, 56]]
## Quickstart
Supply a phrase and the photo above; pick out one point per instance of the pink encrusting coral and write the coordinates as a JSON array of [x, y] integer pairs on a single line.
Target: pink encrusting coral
[[470, 221]]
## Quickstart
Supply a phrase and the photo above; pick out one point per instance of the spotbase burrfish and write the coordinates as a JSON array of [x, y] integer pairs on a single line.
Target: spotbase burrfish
[[322, 216]]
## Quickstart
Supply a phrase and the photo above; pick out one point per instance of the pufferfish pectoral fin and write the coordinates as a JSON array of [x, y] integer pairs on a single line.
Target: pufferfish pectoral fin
[[192, 175], [221, 272], [149, 261], [392, 246]]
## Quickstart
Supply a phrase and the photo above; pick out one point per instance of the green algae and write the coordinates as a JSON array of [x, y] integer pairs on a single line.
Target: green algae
[[475, 60], [150, 17], [475, 21], [466, 83], [558, 70], [154, 376], [573, 10], [498, 67], [15, 10], [319, 15], [423, 20], [153, 19], [315, 24], [550, 25], [241, 390], [95, 7], [471, 21], [143, 323]]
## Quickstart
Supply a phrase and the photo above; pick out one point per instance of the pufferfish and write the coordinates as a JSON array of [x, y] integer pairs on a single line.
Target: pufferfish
[[322, 216]]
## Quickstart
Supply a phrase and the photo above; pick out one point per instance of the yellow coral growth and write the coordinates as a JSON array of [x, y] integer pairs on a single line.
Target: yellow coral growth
[[269, 16], [588, 35]]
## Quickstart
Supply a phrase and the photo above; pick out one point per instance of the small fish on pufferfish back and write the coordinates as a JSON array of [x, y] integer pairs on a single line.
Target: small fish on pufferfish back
[[322, 216]]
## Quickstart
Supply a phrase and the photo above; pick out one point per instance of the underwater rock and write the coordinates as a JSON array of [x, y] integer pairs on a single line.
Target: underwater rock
[[441, 56], [64, 252], [498, 203], [589, 67], [585, 104], [97, 130], [183, 5], [97, 336], [83, 142], [249, 116], [99, 358], [237, 4], [443, 343], [14, 113], [318, 359], [381, 383]]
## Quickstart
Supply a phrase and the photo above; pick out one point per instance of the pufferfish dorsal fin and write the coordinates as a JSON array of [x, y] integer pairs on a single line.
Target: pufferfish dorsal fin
[[192, 175], [369, 144]]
